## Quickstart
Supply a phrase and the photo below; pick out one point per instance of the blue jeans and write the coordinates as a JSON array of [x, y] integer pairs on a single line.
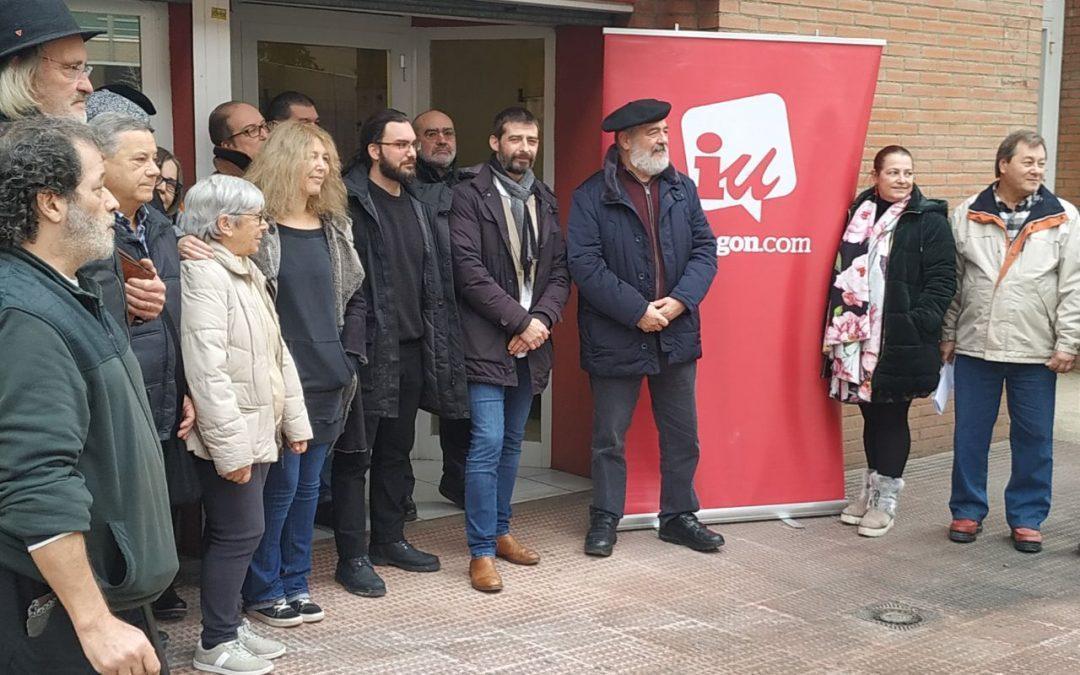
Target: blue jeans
[[498, 427], [1031, 389], [281, 564]]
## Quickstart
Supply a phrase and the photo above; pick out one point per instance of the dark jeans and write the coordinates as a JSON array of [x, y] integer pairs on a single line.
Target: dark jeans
[[56, 649], [886, 436], [674, 408], [280, 567], [231, 533], [393, 442], [1031, 394], [498, 427], [348, 478]]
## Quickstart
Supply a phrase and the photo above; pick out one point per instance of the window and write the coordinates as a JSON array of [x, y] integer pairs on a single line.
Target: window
[[117, 54]]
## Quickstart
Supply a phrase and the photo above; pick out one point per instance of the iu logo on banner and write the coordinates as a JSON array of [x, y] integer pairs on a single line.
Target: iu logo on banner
[[771, 132], [739, 152]]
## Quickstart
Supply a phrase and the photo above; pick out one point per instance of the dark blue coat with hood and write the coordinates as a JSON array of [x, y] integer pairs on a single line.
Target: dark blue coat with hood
[[611, 260]]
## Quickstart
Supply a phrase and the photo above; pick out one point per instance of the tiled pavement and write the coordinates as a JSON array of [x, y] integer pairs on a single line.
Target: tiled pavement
[[775, 600]]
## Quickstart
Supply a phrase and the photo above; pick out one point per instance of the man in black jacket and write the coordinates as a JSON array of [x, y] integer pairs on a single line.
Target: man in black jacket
[[414, 353], [643, 256], [144, 232], [84, 515]]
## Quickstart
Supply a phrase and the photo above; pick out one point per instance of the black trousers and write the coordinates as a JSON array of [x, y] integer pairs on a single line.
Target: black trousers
[[454, 438], [886, 436], [393, 439], [56, 649], [348, 478], [674, 409]]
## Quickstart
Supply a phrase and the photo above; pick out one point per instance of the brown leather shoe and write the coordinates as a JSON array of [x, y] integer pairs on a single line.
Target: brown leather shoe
[[510, 550], [484, 576], [964, 530], [1026, 540]]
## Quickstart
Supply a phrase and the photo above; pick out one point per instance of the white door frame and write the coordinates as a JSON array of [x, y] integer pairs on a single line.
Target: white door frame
[[1053, 35], [532, 453], [153, 55], [252, 23]]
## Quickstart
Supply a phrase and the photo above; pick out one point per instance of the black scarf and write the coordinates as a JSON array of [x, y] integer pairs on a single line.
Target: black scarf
[[235, 156]]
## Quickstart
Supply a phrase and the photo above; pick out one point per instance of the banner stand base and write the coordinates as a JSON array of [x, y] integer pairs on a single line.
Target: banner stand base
[[741, 514]]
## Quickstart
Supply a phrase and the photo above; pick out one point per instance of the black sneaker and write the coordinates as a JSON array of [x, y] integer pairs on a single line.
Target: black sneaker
[[279, 615], [410, 510], [169, 607], [404, 555], [684, 529], [308, 610], [359, 577], [601, 537]]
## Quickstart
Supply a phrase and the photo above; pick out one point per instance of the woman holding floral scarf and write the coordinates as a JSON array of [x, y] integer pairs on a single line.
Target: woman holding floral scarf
[[895, 276]]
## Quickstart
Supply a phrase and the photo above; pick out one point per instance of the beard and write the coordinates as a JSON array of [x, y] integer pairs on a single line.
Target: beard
[[440, 160], [400, 173], [88, 238], [650, 161], [517, 165]]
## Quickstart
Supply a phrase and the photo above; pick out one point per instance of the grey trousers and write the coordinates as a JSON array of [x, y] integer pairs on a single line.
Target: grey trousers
[[232, 531], [674, 410]]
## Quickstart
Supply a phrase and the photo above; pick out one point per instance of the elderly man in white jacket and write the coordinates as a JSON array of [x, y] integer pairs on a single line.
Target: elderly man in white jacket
[[1015, 321], [248, 394]]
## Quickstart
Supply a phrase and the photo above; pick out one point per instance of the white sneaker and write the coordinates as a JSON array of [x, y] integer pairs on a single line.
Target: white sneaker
[[229, 658], [258, 645]]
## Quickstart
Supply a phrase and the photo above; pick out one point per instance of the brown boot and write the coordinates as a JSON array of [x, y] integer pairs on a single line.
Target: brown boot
[[483, 575], [510, 550]]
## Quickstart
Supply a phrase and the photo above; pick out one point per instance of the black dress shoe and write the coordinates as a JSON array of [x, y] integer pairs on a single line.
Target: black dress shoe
[[601, 537], [359, 577], [410, 510], [684, 529], [453, 496], [405, 556], [169, 607]]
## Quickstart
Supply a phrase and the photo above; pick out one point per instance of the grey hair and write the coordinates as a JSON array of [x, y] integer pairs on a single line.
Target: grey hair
[[1007, 149], [17, 84], [110, 125], [215, 196]]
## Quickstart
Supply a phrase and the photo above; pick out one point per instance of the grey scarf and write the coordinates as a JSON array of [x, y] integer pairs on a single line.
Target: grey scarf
[[519, 194]]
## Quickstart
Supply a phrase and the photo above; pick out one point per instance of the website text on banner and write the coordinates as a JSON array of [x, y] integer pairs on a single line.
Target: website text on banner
[[772, 131]]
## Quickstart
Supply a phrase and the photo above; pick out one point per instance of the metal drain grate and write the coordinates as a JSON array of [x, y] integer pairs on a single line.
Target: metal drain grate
[[894, 615]]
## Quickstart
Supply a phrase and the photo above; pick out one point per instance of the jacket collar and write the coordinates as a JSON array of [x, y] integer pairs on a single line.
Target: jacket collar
[[234, 157], [88, 292], [918, 203], [229, 260], [613, 191], [1047, 206]]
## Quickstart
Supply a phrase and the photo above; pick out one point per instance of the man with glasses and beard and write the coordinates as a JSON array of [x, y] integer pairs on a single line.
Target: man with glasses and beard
[[643, 257], [414, 352], [510, 267], [85, 535]]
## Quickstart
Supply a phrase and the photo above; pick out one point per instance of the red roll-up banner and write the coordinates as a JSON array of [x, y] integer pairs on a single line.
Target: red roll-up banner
[[771, 129]]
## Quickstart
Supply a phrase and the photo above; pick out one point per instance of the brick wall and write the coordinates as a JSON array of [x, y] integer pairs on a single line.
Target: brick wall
[[956, 77], [1068, 158]]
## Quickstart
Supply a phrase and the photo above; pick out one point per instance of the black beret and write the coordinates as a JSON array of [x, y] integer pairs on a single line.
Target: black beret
[[132, 94], [641, 111]]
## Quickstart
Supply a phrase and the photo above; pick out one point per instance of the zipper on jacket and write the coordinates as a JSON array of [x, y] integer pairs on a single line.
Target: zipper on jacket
[[655, 236]]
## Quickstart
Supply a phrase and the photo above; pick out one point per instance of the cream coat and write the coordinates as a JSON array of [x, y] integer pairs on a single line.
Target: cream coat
[[1016, 303], [241, 377]]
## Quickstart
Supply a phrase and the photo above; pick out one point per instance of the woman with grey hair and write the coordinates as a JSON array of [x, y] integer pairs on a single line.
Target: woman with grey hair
[[248, 395]]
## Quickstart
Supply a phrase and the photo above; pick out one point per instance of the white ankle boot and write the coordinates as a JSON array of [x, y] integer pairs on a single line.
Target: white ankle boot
[[881, 511], [856, 508]]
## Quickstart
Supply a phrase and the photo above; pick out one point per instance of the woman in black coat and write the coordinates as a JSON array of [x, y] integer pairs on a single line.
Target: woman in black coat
[[895, 276]]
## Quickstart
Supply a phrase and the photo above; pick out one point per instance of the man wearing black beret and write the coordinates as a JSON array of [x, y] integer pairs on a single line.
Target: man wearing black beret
[[643, 257]]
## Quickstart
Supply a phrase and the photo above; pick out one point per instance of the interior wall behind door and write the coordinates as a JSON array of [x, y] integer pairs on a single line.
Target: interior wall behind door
[[471, 80]]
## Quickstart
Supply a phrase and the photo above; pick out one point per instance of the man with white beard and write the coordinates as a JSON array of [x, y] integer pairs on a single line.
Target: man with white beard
[[643, 257]]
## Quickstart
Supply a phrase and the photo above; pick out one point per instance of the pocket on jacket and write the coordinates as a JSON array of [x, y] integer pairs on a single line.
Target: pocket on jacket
[[123, 567], [322, 365]]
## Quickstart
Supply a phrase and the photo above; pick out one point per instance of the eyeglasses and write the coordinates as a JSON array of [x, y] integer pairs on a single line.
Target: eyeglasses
[[72, 70], [401, 145], [435, 133], [263, 216], [251, 131], [171, 184]]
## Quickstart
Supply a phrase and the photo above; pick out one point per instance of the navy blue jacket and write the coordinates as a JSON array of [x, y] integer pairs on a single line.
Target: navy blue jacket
[[610, 258]]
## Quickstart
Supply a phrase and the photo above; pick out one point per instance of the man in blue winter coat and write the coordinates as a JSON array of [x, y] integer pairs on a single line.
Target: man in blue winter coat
[[643, 257]]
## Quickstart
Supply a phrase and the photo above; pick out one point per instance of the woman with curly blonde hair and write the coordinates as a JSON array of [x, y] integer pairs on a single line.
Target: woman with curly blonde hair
[[309, 258]]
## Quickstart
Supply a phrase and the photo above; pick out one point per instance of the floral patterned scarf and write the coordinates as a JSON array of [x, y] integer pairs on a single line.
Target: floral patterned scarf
[[853, 324]]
